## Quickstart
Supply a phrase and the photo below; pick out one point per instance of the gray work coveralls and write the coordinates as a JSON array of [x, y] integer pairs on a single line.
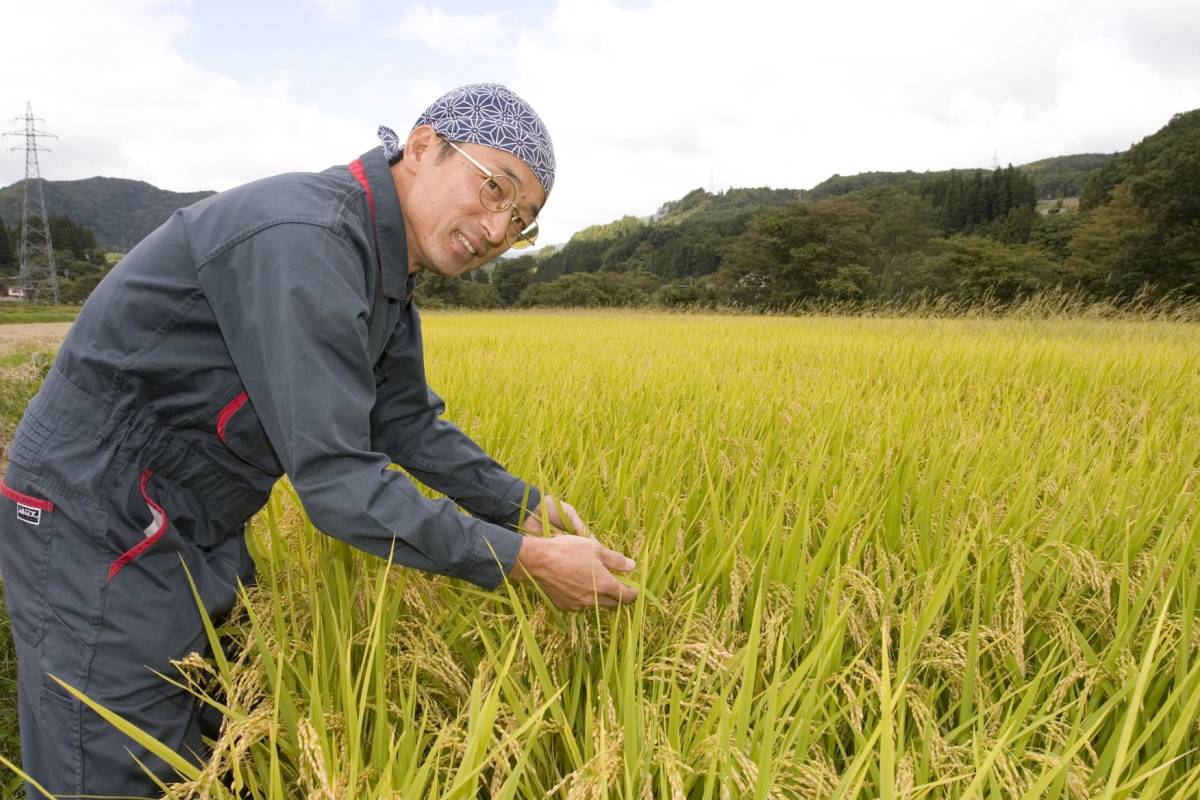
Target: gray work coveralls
[[264, 330]]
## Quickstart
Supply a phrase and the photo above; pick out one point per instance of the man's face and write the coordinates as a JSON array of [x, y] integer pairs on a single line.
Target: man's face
[[450, 231]]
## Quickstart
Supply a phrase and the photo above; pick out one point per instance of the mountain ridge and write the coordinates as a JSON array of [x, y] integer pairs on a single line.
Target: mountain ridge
[[122, 211]]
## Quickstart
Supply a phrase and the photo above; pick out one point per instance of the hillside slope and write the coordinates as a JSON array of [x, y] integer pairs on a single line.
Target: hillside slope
[[120, 211]]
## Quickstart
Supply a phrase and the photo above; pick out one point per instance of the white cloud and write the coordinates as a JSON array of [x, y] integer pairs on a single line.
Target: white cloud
[[339, 8], [112, 85], [457, 35], [643, 104]]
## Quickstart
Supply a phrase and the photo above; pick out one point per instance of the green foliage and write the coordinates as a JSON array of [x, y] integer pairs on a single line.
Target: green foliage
[[121, 212], [1114, 248], [699, 205], [888, 235], [1053, 233], [434, 291], [969, 203], [977, 268], [802, 251], [20, 313], [1016, 226], [685, 238], [689, 294], [577, 255], [8, 251], [79, 263], [68, 237], [592, 290], [840, 185], [511, 276], [1165, 149], [1144, 228], [613, 230], [1063, 176]]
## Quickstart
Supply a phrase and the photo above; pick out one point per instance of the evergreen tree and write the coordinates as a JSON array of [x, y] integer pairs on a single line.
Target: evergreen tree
[[8, 255], [973, 204], [69, 237]]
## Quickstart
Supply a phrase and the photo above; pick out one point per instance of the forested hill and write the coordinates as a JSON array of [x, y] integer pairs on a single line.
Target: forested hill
[[1064, 176], [1061, 176], [972, 236], [120, 212]]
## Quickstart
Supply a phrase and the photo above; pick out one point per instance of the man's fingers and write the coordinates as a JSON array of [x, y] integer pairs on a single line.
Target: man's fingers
[[628, 593], [577, 522], [615, 561], [617, 595], [611, 592]]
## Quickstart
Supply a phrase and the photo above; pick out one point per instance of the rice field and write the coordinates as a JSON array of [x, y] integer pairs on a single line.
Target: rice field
[[878, 558]]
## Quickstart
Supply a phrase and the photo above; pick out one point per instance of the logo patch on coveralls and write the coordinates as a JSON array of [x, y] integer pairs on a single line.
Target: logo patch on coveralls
[[29, 514]]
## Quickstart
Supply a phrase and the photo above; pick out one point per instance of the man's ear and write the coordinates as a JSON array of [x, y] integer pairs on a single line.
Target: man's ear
[[420, 142]]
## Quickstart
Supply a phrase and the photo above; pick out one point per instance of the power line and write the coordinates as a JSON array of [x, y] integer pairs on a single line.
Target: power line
[[37, 273]]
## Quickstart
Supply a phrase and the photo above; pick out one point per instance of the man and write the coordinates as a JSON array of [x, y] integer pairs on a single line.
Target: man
[[267, 330]]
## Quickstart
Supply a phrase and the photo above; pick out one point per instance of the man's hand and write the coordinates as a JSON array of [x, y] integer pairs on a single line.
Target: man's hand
[[562, 516], [575, 572]]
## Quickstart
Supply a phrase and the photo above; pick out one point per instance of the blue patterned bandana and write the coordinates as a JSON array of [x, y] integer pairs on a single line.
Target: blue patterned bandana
[[491, 115]]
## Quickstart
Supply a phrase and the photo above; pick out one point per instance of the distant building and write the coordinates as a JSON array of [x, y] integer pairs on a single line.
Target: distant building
[[14, 293]]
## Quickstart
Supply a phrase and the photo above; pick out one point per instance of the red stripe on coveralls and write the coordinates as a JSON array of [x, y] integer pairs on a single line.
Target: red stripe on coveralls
[[360, 175], [154, 531], [25, 499], [228, 411]]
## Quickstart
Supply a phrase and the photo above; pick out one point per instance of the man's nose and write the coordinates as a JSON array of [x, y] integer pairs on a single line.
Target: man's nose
[[495, 228]]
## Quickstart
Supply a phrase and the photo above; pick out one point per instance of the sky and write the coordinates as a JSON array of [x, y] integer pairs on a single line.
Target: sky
[[645, 99]]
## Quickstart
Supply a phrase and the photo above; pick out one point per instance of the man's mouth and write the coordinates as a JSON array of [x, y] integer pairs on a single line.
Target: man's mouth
[[467, 244]]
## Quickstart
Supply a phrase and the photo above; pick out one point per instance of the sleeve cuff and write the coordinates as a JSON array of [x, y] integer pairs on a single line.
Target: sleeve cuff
[[514, 511], [492, 557]]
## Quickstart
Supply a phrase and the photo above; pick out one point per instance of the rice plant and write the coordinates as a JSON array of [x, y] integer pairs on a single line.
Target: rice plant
[[879, 558]]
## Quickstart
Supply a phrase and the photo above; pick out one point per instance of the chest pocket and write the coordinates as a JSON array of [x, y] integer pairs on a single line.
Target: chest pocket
[[239, 428]]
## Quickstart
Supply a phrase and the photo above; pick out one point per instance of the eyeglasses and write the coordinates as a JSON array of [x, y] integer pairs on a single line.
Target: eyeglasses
[[499, 193]]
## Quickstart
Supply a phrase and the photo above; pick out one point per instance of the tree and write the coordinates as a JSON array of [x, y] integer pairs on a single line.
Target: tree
[[511, 276], [1143, 226], [8, 256], [971, 206], [791, 253], [905, 225], [434, 291], [69, 237], [1015, 226], [1114, 250], [586, 289], [851, 282], [974, 268], [1053, 233]]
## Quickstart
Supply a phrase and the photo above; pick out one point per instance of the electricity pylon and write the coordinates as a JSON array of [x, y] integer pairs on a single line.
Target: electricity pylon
[[36, 259]]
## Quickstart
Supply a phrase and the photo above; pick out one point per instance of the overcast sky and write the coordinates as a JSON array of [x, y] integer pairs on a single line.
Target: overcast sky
[[644, 100]]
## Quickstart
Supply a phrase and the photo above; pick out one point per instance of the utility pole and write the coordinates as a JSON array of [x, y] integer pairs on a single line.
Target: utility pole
[[37, 252]]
